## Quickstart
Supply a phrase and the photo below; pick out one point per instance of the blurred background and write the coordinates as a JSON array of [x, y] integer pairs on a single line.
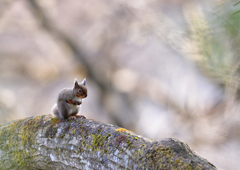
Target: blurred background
[[162, 69]]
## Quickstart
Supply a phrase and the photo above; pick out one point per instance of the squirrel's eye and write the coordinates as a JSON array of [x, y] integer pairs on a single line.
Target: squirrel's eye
[[79, 90]]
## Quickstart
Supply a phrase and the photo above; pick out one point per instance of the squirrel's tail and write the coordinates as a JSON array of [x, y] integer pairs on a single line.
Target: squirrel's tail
[[55, 110]]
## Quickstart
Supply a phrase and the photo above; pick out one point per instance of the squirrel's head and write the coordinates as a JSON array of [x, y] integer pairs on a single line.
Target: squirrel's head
[[80, 88]]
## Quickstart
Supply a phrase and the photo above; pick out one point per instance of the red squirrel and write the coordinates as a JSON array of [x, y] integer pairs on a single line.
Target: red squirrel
[[69, 101]]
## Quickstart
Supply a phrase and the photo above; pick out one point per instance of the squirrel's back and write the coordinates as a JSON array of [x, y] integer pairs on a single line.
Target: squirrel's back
[[66, 94]]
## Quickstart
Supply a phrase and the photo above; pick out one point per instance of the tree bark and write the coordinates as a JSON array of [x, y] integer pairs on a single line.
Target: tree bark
[[44, 142]]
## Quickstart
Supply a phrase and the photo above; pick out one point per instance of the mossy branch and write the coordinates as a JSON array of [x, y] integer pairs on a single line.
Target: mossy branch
[[44, 142]]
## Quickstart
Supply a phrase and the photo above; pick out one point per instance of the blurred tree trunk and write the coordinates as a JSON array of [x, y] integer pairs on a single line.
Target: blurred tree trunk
[[44, 142]]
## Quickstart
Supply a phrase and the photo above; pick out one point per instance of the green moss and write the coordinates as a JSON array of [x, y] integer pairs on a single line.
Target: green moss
[[178, 161], [54, 120], [164, 158], [19, 134], [98, 140], [129, 143]]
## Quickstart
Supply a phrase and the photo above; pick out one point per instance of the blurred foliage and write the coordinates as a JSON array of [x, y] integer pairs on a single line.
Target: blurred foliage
[[235, 5], [216, 35]]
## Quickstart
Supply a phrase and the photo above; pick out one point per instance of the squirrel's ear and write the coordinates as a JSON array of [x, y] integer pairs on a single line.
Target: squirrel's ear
[[84, 82], [75, 82]]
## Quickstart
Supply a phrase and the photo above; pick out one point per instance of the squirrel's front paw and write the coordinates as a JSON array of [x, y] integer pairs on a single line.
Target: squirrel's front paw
[[77, 116], [72, 117], [80, 116]]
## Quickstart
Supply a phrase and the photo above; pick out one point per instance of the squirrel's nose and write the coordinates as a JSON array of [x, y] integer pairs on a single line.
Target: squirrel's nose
[[85, 95]]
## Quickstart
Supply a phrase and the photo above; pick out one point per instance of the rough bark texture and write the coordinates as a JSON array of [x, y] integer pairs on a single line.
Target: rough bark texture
[[44, 142]]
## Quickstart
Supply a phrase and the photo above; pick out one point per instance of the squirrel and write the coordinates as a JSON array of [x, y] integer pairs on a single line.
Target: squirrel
[[69, 101]]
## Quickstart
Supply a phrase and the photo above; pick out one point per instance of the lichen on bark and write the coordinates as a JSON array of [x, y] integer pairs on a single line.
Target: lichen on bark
[[44, 142]]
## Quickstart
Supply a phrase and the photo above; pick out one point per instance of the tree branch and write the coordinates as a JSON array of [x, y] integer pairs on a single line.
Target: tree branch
[[44, 142]]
